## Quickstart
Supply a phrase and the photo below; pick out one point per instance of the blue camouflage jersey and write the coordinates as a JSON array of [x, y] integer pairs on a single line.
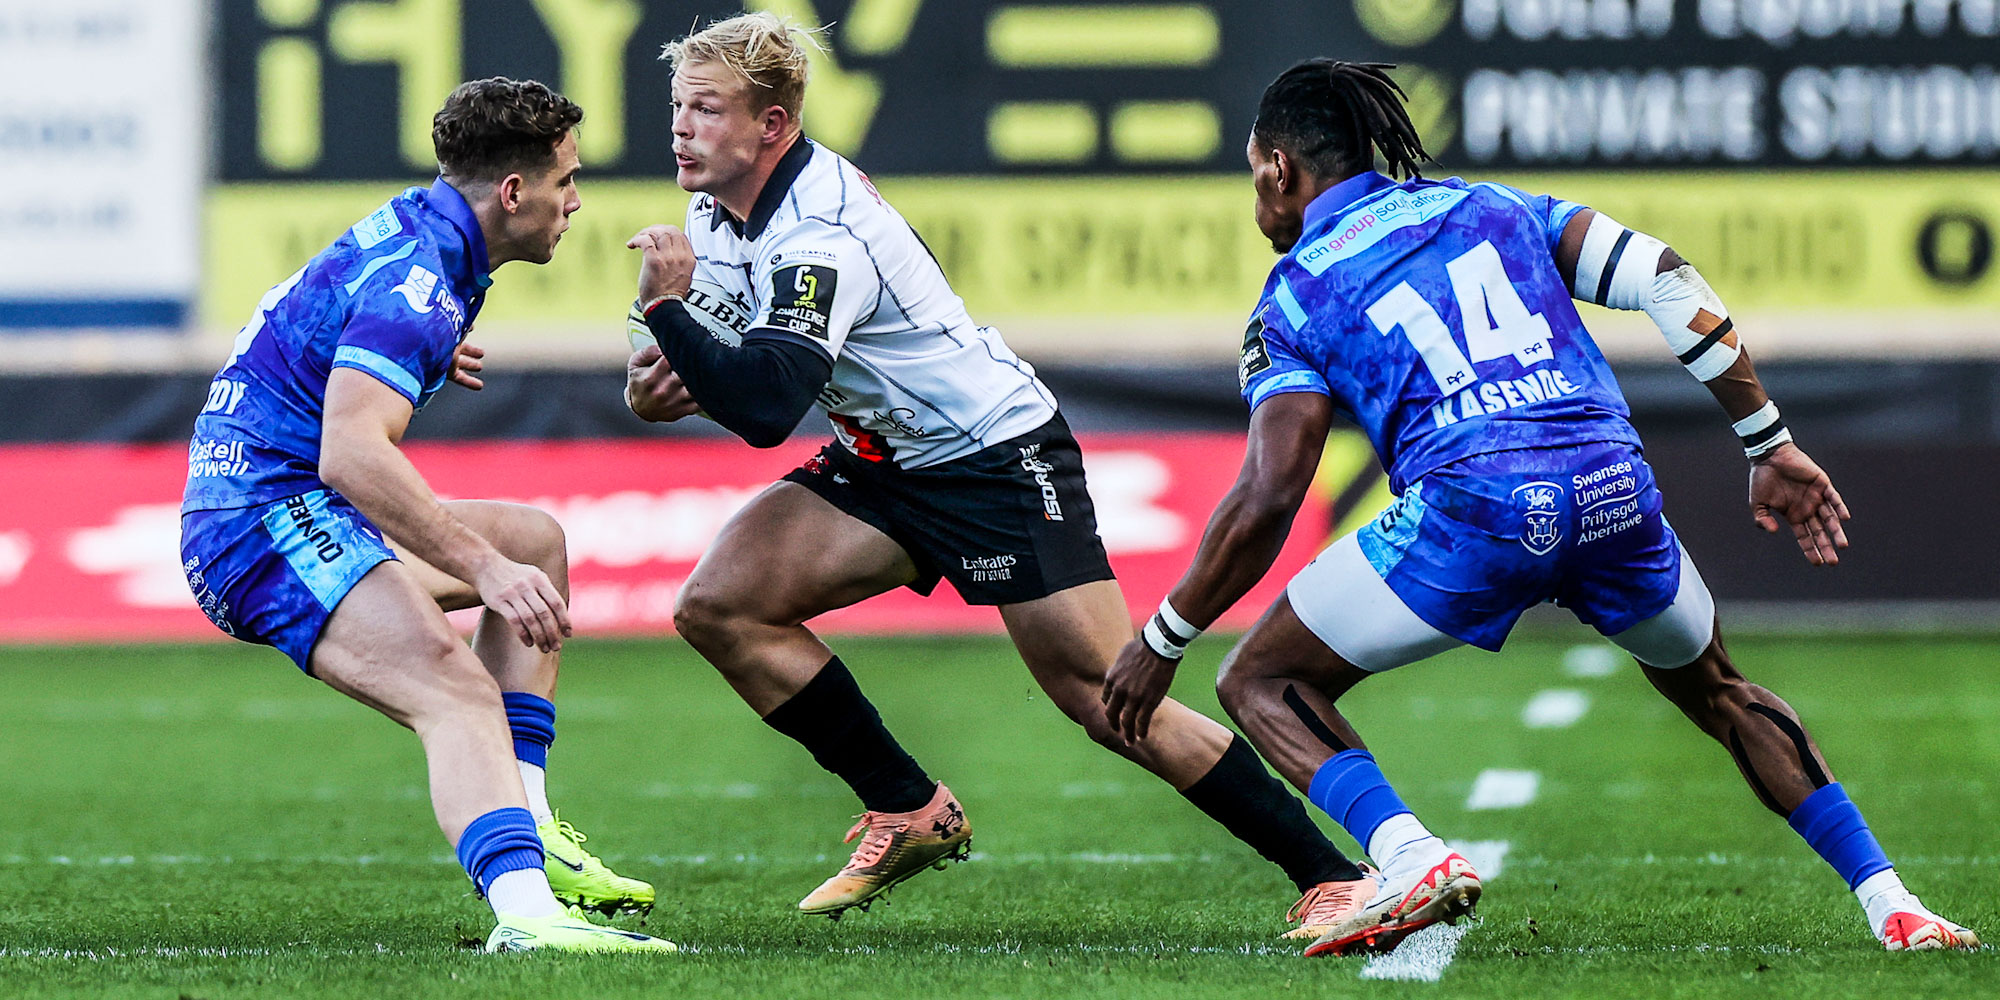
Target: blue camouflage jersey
[[1433, 315], [392, 297]]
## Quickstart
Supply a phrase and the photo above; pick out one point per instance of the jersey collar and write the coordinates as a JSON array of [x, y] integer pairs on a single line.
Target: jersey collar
[[1336, 200], [446, 201], [788, 169]]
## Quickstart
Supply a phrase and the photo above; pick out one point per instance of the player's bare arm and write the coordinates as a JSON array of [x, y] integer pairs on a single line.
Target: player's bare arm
[[360, 458], [1244, 535], [1785, 483]]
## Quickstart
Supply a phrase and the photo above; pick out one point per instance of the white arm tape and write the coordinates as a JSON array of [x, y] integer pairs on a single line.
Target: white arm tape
[[1762, 432], [1168, 633], [1765, 416], [1676, 297], [1157, 640], [1616, 265], [1619, 268]]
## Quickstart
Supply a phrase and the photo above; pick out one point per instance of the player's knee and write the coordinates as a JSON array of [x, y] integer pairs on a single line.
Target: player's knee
[[706, 618], [1232, 689], [542, 540], [1081, 707], [460, 688], [1237, 680]]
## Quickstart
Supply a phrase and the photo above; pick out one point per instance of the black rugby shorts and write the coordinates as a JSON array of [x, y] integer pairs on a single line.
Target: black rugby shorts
[[1007, 524]]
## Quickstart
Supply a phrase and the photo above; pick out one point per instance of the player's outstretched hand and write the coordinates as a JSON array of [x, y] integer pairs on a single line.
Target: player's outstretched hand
[[466, 366], [654, 390], [666, 261], [523, 595], [1787, 485], [1134, 688]]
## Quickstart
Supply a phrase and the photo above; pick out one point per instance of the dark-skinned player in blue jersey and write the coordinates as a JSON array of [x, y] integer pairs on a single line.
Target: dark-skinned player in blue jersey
[[1438, 316]]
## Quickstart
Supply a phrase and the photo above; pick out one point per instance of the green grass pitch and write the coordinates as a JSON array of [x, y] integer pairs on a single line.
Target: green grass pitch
[[203, 822]]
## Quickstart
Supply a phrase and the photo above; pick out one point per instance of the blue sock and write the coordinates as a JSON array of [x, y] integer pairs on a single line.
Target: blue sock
[[1352, 790], [533, 720], [499, 842], [1832, 824]]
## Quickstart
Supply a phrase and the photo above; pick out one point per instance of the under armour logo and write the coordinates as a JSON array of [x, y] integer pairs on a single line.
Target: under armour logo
[[954, 817]]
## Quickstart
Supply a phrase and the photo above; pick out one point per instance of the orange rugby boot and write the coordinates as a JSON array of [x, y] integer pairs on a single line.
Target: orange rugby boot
[[894, 847], [1446, 891], [1329, 903]]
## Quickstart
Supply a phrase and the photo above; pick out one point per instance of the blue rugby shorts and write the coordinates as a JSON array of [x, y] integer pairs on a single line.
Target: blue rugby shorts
[[273, 573], [1473, 544]]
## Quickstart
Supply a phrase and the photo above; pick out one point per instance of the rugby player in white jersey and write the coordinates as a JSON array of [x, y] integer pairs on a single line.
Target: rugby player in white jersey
[[950, 461]]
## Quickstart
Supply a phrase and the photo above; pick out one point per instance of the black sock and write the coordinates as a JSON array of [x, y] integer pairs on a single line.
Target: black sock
[[844, 733], [1254, 806]]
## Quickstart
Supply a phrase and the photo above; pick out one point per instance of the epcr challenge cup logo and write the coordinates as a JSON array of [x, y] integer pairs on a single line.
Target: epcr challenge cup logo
[[1542, 511]]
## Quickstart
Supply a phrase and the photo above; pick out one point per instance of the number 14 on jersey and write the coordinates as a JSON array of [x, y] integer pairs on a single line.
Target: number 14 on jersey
[[1497, 323]]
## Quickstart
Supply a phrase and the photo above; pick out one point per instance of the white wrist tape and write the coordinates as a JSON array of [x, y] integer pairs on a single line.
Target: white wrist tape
[[1762, 432], [1168, 634], [1619, 268]]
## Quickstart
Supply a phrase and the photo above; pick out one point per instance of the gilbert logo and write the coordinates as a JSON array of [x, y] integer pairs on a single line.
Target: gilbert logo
[[418, 288]]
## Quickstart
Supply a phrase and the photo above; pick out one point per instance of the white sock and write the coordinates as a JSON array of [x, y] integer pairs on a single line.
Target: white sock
[[535, 782], [1883, 894], [1401, 846], [523, 892]]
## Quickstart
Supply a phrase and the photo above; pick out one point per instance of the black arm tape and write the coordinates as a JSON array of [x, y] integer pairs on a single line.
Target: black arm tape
[[758, 391], [1694, 353]]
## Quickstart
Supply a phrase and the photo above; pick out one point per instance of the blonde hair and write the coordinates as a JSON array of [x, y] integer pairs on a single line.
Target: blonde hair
[[768, 51]]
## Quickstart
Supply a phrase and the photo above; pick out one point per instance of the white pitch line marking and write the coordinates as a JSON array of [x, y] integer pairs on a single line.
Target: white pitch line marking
[[1590, 661], [1556, 708], [1498, 788], [1488, 857], [1423, 956]]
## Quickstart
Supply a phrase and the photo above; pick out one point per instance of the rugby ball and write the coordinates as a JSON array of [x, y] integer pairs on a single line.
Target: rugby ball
[[723, 314]]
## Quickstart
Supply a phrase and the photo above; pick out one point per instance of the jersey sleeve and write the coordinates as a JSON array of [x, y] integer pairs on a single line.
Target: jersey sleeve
[[1550, 212], [1270, 365], [816, 282], [397, 332]]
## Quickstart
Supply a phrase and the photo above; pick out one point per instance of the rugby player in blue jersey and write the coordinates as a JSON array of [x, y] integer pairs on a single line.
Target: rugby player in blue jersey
[[297, 491], [1437, 315]]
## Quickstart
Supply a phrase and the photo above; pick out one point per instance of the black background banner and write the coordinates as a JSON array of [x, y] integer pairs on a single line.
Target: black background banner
[[314, 91]]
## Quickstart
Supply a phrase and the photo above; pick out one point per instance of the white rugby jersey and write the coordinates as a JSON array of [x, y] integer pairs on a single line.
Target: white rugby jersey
[[915, 381]]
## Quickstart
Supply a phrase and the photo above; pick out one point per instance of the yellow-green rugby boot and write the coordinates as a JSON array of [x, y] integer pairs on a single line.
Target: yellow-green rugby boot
[[568, 932], [578, 878]]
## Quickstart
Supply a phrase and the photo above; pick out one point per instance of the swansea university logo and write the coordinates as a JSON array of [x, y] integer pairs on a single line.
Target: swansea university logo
[[1541, 513]]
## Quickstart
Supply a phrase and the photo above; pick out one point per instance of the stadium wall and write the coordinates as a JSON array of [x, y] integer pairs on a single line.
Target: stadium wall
[[91, 470]]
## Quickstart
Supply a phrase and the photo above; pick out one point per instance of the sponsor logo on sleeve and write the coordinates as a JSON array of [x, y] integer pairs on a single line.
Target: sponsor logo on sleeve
[[418, 288], [377, 227], [802, 299], [1256, 356]]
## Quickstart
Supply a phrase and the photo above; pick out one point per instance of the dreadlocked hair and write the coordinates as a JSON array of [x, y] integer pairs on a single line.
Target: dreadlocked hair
[[1334, 116]]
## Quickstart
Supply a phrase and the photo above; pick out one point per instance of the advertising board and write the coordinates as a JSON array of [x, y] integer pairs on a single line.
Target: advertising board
[[103, 149]]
